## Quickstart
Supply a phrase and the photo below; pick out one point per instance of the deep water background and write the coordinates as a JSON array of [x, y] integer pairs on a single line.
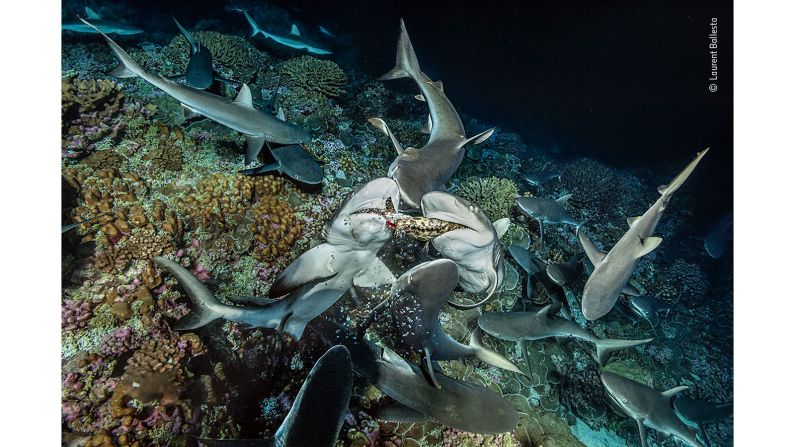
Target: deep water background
[[623, 82]]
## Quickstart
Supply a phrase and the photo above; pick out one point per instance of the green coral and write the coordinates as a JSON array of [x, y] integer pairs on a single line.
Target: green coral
[[495, 196], [315, 75]]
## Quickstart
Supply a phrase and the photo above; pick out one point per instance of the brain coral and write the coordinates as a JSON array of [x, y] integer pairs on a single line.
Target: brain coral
[[495, 196], [315, 75]]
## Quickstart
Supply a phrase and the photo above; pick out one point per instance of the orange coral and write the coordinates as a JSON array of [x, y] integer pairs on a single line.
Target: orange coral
[[275, 228]]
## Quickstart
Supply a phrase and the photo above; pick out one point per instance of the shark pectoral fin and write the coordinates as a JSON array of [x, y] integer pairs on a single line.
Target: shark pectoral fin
[[121, 72], [244, 97], [642, 431], [280, 114], [428, 126], [426, 367], [189, 112], [647, 245], [479, 138], [260, 169], [397, 412], [550, 310], [670, 394], [501, 226], [606, 346], [488, 356], [375, 275], [594, 255], [419, 98], [316, 263], [91, 15], [253, 148], [632, 220], [563, 199], [380, 124]]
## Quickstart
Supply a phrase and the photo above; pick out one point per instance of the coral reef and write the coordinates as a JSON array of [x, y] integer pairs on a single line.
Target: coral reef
[[495, 196], [315, 75]]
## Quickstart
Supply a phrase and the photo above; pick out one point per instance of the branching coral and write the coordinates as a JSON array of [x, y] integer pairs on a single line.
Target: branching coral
[[74, 314], [316, 75], [495, 196], [275, 228]]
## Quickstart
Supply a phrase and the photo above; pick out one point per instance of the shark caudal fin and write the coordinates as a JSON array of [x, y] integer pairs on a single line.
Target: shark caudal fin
[[128, 67], [254, 27], [205, 307], [406, 64], [488, 356], [667, 190], [605, 347]]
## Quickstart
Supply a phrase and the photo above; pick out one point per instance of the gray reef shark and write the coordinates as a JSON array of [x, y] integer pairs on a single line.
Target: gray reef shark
[[613, 269], [319, 409], [649, 307], [414, 304], [475, 249], [106, 26], [539, 178], [529, 326], [318, 278], [199, 73], [547, 211], [419, 171], [529, 263], [239, 115], [292, 40], [648, 407], [564, 273], [697, 413], [718, 237], [293, 161]]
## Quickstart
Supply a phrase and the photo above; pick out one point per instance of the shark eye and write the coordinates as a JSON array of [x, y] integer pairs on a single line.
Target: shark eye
[[473, 208]]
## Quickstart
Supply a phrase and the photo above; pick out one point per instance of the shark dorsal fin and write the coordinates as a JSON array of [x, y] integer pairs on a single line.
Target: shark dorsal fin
[[501, 226], [674, 391], [419, 97], [294, 30], [632, 220], [244, 97], [91, 14], [647, 245], [550, 310], [563, 199], [439, 85], [426, 129], [280, 114]]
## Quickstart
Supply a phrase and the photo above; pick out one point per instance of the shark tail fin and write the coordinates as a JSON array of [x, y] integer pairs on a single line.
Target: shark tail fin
[[131, 67], [254, 28], [605, 347], [406, 64], [488, 356], [667, 190], [205, 307], [187, 35]]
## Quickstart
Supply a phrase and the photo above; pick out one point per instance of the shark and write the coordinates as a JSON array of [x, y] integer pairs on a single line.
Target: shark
[[547, 211], [421, 170], [564, 273], [293, 161], [538, 179], [199, 73], [317, 279], [697, 413], [101, 25], [530, 326], [292, 40], [648, 407], [613, 269], [475, 249], [239, 115], [717, 238], [529, 263], [415, 301], [319, 409], [648, 307]]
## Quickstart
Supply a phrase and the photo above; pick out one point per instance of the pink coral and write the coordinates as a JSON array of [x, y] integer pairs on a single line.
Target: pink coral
[[120, 341], [74, 314]]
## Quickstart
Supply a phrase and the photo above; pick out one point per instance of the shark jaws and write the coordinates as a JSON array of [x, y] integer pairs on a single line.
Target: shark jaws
[[475, 248], [529, 326], [547, 211], [314, 281], [292, 40], [101, 26], [613, 269], [648, 407], [415, 301], [239, 115], [316, 417], [419, 171]]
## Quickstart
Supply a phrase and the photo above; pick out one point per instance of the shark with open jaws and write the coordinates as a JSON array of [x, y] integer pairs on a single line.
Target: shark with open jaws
[[318, 278], [648, 407], [475, 249], [106, 26], [316, 417], [293, 40], [419, 171], [415, 301], [612, 269], [239, 115], [529, 326]]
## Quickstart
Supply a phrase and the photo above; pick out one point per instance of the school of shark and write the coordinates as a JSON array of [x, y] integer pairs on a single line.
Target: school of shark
[[210, 243]]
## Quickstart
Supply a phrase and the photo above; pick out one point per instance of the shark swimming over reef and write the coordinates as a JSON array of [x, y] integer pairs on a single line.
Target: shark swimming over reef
[[613, 269], [316, 416], [648, 307], [239, 115], [413, 307], [315, 280], [539, 178], [564, 273], [292, 40], [697, 413], [199, 73], [293, 161], [648, 407], [475, 248], [419, 171], [529, 326], [101, 25], [547, 211]]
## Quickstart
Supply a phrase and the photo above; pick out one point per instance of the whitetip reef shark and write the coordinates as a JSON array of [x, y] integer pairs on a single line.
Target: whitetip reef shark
[[314, 281], [292, 40], [475, 249], [530, 326], [613, 269], [101, 25], [547, 211], [419, 171], [239, 115], [414, 304], [319, 409], [648, 407]]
